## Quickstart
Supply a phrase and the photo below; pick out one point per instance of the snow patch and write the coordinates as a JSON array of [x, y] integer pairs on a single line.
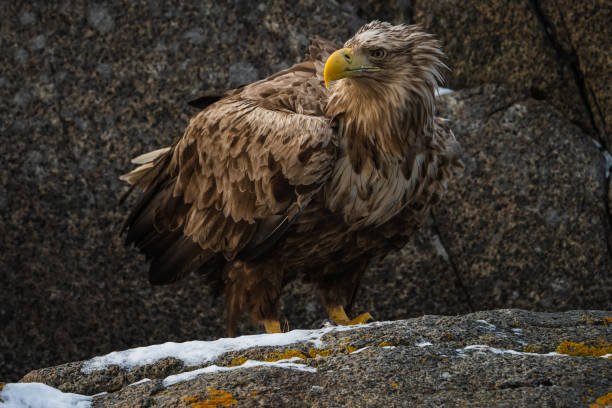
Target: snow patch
[[487, 325], [480, 348], [287, 364], [194, 353], [423, 344], [608, 158], [37, 395], [144, 380]]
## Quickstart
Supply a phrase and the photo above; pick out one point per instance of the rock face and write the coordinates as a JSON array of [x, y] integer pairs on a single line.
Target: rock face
[[558, 51], [498, 358], [527, 225], [84, 87]]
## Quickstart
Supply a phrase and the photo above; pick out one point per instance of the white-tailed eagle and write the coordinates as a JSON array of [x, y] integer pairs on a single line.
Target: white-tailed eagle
[[310, 173]]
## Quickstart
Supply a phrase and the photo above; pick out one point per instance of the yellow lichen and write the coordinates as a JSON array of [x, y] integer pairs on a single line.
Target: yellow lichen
[[285, 355], [395, 384], [238, 361], [596, 348], [605, 401], [314, 352], [351, 349], [2, 386], [533, 349], [214, 399], [387, 344], [597, 321]]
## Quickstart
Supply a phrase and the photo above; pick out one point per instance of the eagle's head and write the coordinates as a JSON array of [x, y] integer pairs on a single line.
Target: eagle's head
[[386, 68], [381, 52]]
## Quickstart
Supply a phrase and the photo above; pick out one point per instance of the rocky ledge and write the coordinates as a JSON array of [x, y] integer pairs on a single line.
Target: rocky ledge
[[506, 357]]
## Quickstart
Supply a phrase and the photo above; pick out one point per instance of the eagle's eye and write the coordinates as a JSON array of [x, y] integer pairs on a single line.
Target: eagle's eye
[[378, 53]]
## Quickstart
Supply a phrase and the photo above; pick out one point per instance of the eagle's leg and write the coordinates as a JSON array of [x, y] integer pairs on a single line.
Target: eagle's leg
[[255, 286], [340, 288]]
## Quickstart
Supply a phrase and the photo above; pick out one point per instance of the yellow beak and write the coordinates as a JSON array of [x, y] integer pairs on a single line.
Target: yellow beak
[[345, 63]]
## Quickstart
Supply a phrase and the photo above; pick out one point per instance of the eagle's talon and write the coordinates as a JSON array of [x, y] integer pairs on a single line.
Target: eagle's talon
[[362, 318], [338, 315]]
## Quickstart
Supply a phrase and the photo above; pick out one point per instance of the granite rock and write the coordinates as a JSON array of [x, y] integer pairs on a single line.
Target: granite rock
[[84, 87], [527, 226], [558, 51], [511, 358], [583, 35]]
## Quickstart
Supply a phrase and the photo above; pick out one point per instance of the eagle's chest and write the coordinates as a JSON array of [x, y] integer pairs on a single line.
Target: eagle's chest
[[370, 197]]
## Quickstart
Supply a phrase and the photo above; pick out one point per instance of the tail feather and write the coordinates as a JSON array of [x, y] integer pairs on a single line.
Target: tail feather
[[155, 225]]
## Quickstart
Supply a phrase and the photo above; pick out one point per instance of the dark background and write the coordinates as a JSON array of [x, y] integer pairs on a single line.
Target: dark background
[[85, 86]]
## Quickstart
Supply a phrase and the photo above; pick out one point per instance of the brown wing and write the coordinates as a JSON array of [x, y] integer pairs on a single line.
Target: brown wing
[[240, 174]]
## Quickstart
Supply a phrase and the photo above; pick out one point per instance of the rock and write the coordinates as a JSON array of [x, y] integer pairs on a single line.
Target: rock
[[112, 82], [557, 51], [527, 225], [582, 32], [99, 18], [241, 73], [502, 358]]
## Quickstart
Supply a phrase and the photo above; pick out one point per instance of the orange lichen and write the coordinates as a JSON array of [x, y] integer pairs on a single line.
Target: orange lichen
[[313, 352], [395, 384], [605, 401], [2, 386], [214, 399], [597, 321], [237, 361], [285, 355], [596, 348], [189, 399]]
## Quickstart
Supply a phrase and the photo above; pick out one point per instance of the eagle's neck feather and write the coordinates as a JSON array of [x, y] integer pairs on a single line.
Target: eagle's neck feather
[[380, 123]]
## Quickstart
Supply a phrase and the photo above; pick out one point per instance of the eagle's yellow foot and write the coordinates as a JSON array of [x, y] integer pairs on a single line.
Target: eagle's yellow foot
[[362, 318], [272, 326], [338, 315]]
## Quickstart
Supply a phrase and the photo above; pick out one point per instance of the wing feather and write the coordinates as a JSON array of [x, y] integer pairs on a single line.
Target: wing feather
[[243, 171]]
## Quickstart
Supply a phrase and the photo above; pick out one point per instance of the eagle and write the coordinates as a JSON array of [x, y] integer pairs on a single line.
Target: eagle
[[310, 173]]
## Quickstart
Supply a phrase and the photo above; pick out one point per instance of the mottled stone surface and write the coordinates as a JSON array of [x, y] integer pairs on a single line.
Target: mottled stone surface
[[85, 86], [559, 51], [527, 225], [492, 358], [583, 32]]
